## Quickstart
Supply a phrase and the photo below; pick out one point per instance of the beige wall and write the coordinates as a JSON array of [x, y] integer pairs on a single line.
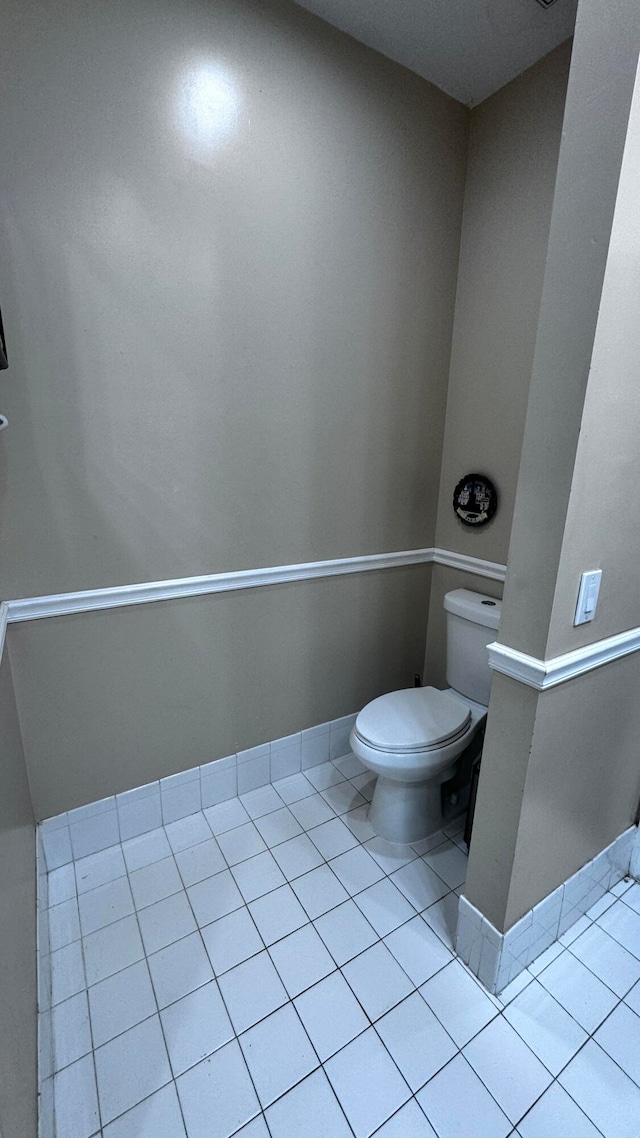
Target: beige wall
[[568, 757], [18, 1006], [599, 97], [560, 781], [602, 528], [111, 700], [229, 239], [583, 780], [513, 157], [226, 355]]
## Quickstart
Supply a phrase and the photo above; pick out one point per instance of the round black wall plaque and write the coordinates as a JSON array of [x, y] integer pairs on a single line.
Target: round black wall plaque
[[475, 500]]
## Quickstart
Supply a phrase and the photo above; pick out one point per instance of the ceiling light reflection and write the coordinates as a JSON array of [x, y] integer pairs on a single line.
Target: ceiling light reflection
[[208, 106]]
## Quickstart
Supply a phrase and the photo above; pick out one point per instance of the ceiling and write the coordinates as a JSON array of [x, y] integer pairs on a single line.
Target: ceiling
[[468, 48]]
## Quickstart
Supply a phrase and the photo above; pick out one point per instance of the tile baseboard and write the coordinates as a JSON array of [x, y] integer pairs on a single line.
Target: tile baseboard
[[497, 958], [634, 867], [99, 825]]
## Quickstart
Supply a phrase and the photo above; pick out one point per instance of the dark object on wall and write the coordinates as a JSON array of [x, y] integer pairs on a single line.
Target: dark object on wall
[[3, 347], [475, 500]]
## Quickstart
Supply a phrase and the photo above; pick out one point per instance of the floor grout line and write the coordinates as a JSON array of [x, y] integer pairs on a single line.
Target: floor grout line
[[157, 1012]]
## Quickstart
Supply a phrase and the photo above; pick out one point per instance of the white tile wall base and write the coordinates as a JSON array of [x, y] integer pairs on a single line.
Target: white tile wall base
[[99, 825], [498, 958], [634, 867]]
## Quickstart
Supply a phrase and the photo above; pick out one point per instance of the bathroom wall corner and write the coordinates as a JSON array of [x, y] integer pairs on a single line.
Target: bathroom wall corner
[[498, 958], [634, 865]]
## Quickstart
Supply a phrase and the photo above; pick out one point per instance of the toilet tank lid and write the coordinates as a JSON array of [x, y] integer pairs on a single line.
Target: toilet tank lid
[[476, 607]]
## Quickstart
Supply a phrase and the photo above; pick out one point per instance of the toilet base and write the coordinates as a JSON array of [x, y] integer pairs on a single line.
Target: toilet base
[[403, 812]]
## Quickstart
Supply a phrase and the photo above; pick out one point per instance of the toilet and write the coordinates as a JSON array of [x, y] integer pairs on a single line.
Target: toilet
[[413, 738]]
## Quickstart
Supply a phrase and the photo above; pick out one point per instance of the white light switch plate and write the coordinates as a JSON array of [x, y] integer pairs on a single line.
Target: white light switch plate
[[588, 596]]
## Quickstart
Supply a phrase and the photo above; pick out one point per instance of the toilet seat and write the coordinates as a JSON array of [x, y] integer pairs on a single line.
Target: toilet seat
[[412, 720]]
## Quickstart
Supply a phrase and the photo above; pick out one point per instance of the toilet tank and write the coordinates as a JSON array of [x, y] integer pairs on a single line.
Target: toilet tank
[[472, 622]]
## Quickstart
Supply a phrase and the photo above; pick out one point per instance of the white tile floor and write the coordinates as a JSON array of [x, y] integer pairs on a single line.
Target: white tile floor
[[269, 968]]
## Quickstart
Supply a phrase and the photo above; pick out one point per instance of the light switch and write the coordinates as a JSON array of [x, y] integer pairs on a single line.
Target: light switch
[[588, 596]]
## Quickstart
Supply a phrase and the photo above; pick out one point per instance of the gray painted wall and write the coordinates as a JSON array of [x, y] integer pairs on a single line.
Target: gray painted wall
[[18, 998]]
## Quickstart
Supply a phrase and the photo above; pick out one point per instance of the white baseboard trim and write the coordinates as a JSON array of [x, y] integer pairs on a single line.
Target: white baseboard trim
[[497, 958], [93, 600], [544, 674]]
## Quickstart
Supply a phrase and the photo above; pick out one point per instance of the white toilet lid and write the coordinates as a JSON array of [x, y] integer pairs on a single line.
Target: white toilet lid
[[413, 719]]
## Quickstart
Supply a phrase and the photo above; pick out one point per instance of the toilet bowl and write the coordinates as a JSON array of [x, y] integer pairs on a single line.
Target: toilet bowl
[[413, 738]]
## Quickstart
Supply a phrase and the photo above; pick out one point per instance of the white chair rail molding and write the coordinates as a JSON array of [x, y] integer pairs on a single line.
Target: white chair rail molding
[[117, 596], [536, 673]]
